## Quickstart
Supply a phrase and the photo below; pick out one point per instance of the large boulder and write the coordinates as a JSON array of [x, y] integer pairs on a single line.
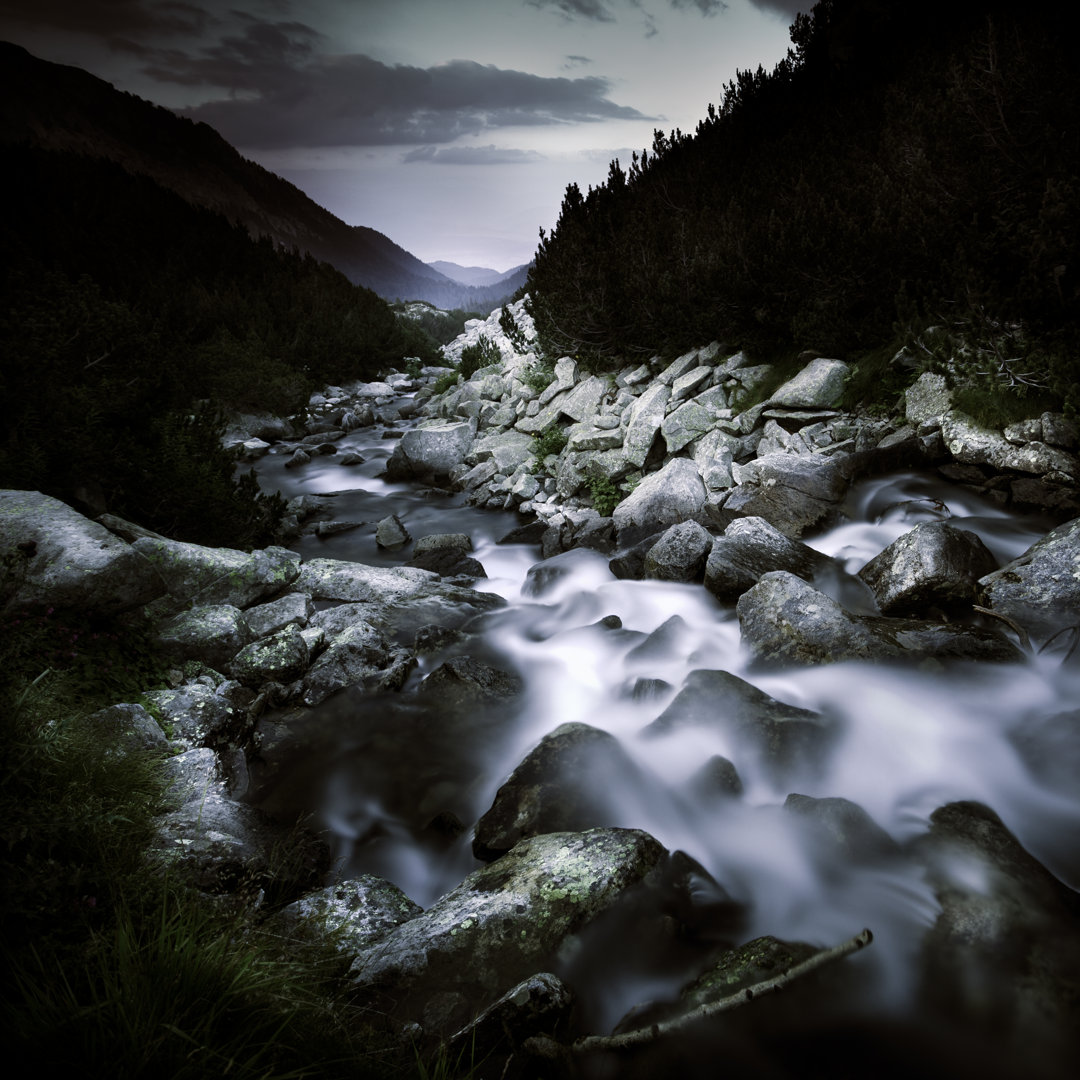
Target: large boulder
[[210, 576], [663, 498], [204, 712], [1041, 589], [786, 621], [972, 444], [564, 784], [933, 564], [751, 548], [818, 385], [428, 454], [356, 654], [795, 493], [58, 558], [505, 922], [279, 657]]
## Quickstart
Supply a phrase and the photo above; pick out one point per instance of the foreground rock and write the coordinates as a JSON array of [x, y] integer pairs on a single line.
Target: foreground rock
[[1003, 955], [1041, 589], [58, 558], [503, 923]]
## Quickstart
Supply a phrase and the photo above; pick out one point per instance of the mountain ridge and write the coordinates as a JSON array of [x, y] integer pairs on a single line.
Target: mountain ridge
[[61, 107]]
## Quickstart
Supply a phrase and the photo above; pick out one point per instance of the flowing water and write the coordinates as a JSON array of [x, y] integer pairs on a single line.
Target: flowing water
[[378, 771]]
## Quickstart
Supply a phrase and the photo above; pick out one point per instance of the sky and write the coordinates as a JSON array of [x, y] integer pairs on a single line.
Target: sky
[[452, 126]]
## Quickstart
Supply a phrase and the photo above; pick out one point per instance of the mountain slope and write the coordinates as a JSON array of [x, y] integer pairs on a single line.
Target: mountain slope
[[64, 108]]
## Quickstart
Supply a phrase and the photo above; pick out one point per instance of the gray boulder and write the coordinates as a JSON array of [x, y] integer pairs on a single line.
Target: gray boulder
[[563, 784], [1041, 589], [751, 548], [818, 385], [679, 554], [213, 634], [201, 713], [464, 683], [391, 533], [795, 493], [276, 614], [207, 576], [505, 922], [446, 554], [842, 828], [133, 727], [786, 621], [428, 454], [645, 417], [934, 563], [58, 558], [778, 736], [972, 444], [675, 493]]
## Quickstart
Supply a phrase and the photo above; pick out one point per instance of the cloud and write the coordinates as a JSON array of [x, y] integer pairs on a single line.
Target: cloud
[[283, 92], [473, 155], [787, 8], [104, 18], [600, 12], [573, 61]]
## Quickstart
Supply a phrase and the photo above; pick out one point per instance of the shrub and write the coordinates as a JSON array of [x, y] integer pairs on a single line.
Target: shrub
[[474, 357], [605, 495], [538, 375], [552, 440]]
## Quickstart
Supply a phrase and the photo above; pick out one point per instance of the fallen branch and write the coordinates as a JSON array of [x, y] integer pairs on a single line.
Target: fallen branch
[[641, 1036], [1020, 632]]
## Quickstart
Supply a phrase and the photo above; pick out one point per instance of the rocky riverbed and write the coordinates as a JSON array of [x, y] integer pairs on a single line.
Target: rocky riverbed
[[626, 765]]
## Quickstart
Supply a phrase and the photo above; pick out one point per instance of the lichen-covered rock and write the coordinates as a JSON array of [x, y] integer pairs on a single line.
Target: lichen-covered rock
[[199, 713], [751, 548], [503, 923], [354, 655], [279, 657], [212, 634], [675, 493], [58, 558], [928, 398], [934, 563], [209, 576], [819, 384], [463, 682], [680, 553], [564, 784], [131, 725], [778, 736], [350, 915], [1041, 589], [972, 444]]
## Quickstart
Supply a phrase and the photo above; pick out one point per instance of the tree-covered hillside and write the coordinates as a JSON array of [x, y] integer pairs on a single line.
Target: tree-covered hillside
[[909, 163], [131, 317]]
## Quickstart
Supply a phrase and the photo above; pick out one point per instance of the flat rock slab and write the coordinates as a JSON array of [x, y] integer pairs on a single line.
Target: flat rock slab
[[64, 560], [503, 923]]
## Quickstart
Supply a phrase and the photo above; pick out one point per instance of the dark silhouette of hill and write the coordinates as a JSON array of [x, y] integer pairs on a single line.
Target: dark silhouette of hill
[[64, 108]]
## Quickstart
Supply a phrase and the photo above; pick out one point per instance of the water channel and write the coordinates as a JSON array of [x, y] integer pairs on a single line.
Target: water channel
[[376, 771]]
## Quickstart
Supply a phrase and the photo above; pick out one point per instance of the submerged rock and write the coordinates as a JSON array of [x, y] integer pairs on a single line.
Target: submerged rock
[[564, 784]]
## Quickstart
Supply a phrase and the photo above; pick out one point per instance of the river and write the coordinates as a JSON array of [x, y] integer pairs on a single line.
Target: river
[[379, 773]]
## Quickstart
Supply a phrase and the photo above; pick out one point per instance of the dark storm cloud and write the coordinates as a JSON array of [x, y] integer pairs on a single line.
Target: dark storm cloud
[[282, 92], [472, 155], [105, 18]]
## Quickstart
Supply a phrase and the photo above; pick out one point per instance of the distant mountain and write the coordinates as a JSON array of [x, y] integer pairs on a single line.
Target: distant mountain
[[65, 108], [474, 275]]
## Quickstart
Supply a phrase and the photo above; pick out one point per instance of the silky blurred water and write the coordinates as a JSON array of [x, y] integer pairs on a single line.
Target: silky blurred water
[[375, 771]]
